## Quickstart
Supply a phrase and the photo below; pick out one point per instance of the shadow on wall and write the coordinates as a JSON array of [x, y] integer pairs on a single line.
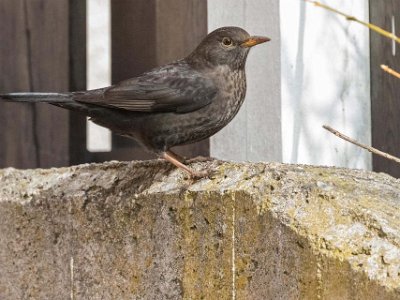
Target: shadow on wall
[[325, 80]]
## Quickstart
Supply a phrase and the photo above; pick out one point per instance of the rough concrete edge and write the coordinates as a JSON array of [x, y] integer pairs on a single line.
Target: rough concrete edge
[[171, 181]]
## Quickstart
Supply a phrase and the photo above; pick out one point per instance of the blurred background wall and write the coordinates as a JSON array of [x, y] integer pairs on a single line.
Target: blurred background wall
[[318, 69]]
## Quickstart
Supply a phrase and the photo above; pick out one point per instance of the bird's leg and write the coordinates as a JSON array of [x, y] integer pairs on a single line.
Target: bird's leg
[[184, 160], [172, 158], [176, 156]]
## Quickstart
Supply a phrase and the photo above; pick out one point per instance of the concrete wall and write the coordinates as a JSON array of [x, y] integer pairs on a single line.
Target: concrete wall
[[254, 231]]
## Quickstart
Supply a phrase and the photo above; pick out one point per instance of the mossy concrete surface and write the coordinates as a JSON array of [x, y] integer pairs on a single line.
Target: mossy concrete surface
[[140, 230]]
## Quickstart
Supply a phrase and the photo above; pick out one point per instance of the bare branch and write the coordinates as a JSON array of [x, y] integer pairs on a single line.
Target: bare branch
[[390, 71], [351, 18], [370, 149]]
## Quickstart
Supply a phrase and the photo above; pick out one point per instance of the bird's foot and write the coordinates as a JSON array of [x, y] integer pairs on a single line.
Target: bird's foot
[[193, 174]]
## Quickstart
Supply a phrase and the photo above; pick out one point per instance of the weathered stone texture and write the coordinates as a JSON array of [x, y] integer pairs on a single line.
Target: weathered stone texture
[[139, 230]]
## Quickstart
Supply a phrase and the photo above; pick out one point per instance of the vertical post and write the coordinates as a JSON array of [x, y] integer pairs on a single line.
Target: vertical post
[[255, 133], [17, 146], [385, 89], [42, 52], [77, 79], [132, 52], [146, 34], [180, 26]]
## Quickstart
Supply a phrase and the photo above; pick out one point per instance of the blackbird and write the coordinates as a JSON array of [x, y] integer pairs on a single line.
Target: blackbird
[[176, 104]]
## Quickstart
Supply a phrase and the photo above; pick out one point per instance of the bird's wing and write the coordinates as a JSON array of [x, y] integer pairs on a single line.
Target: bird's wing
[[168, 89]]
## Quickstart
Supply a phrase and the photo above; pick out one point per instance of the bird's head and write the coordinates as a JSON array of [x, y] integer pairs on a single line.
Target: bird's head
[[225, 46]]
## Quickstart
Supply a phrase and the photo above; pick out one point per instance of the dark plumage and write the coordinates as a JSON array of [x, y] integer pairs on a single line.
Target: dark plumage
[[176, 104]]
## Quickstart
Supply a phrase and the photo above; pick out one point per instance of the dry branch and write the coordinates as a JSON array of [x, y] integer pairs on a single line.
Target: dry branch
[[373, 27], [369, 148], [390, 71]]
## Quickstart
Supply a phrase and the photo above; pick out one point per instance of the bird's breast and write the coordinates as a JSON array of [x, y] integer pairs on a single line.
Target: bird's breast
[[232, 91]]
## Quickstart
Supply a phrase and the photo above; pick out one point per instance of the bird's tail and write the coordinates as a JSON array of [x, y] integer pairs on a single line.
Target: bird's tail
[[37, 97]]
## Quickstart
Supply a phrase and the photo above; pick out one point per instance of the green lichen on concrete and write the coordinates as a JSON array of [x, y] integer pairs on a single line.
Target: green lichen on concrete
[[206, 244], [253, 231]]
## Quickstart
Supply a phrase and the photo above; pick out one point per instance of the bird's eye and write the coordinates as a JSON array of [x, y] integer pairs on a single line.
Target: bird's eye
[[227, 41]]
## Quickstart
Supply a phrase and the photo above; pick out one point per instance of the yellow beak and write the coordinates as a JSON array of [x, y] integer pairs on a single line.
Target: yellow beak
[[254, 40]]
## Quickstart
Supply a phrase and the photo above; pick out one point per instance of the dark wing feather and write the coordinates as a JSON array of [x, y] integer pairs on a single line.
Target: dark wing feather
[[172, 88]]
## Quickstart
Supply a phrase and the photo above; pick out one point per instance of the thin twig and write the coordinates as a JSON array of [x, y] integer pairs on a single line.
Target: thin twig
[[390, 71], [373, 27], [370, 149]]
